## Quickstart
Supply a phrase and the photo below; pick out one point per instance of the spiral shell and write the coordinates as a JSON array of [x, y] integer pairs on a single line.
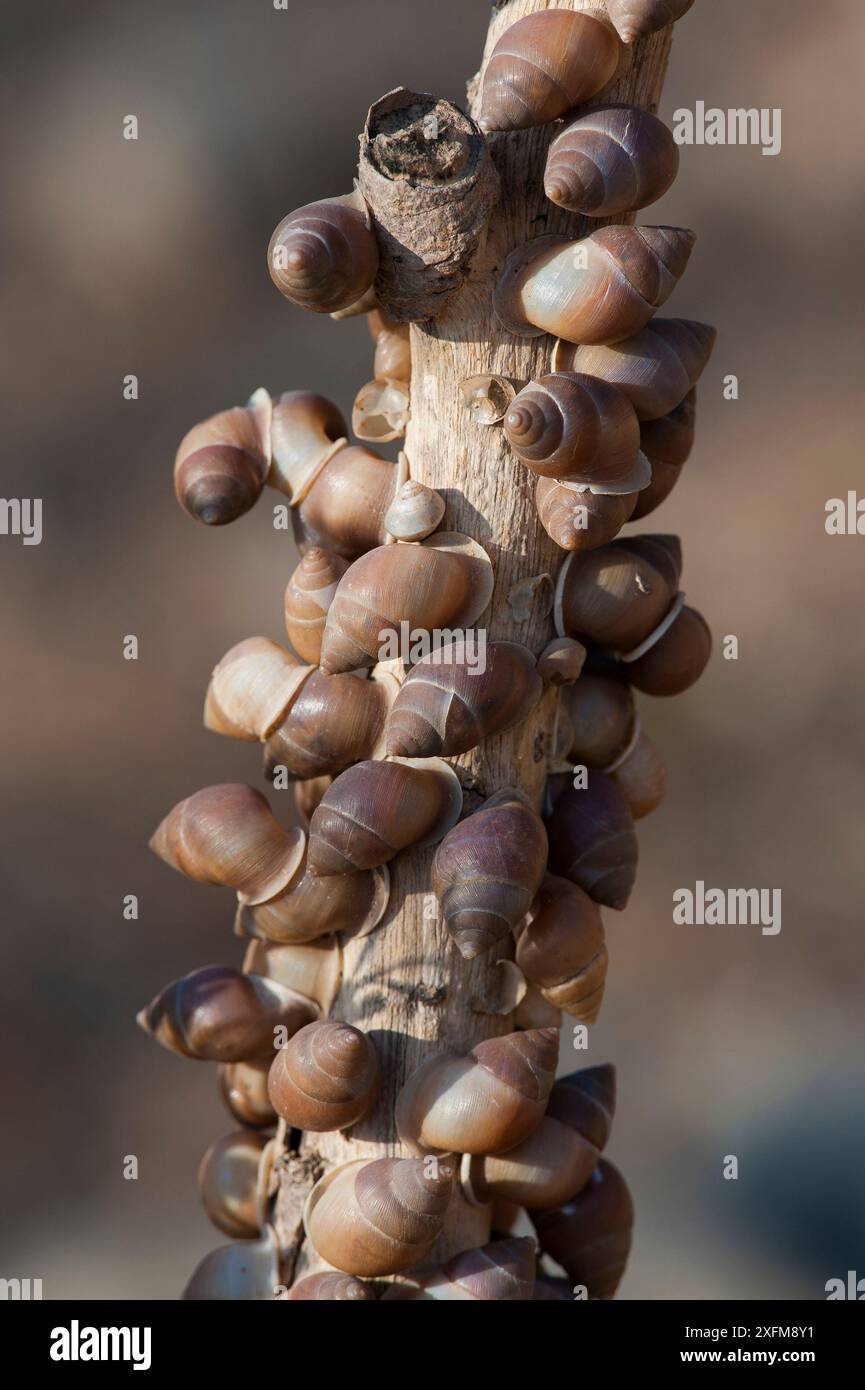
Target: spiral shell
[[576, 428], [577, 519], [655, 369], [217, 1014], [602, 715], [228, 1180], [326, 1077], [486, 1102], [379, 1217], [308, 595], [545, 64], [676, 660], [590, 1236], [642, 777], [221, 465], [502, 1271], [487, 870], [415, 512], [636, 18], [611, 160], [592, 841], [562, 949], [333, 722], [311, 907], [342, 1288], [618, 594], [324, 256], [667, 444], [243, 1088]]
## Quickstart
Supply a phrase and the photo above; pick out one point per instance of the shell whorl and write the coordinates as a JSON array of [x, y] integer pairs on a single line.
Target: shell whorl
[[308, 595], [578, 429], [611, 160], [325, 1078], [324, 256], [545, 64]]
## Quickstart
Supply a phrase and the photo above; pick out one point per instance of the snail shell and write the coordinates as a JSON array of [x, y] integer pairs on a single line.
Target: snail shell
[[243, 1087], [502, 1271], [487, 870], [559, 1157], [655, 369], [228, 1180], [486, 1102], [590, 1236], [592, 841], [217, 1014], [545, 64], [308, 794], [311, 906], [392, 347], [415, 512], [252, 688], [562, 949], [576, 428], [342, 1288], [618, 594], [448, 705], [335, 721], [306, 431], [561, 661], [222, 464], [667, 444], [602, 714], [486, 398], [676, 660], [599, 290], [381, 411], [636, 18], [308, 596], [245, 1271], [326, 1077], [642, 777], [445, 582], [379, 1217], [313, 968], [534, 1011], [324, 256], [577, 519], [375, 809], [345, 507], [611, 160]]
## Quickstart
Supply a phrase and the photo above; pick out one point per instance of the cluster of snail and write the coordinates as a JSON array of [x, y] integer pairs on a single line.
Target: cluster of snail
[[366, 742]]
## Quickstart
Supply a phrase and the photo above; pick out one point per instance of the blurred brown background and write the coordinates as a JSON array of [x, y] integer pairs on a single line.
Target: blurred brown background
[[149, 257]]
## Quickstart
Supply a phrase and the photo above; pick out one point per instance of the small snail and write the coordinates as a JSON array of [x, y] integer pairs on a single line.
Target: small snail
[[667, 444], [379, 1217], [228, 1180], [445, 582], [342, 1288], [636, 18], [560, 1156], [243, 1087], [562, 949], [324, 256], [561, 662], [486, 1102], [217, 1014], [545, 64], [502, 1271], [611, 160], [326, 1077], [676, 659], [606, 734], [415, 512], [578, 429], [308, 595], [487, 870], [577, 519], [222, 464], [245, 1271], [592, 841], [617, 595], [590, 1236], [655, 369], [599, 290], [448, 704], [375, 809]]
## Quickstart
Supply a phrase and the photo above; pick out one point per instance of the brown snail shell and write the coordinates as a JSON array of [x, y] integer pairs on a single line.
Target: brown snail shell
[[306, 431], [218, 1014], [578, 429], [617, 595], [590, 1236], [447, 705], [598, 290], [502, 1271], [312, 906], [324, 256], [676, 660], [610, 160], [561, 661], [243, 1087], [308, 794], [228, 1180], [308, 596], [445, 582], [251, 689], [642, 777], [592, 841], [334, 721], [379, 1217], [560, 1156], [545, 64], [487, 870], [667, 444], [392, 347], [245, 1271], [655, 369], [222, 464], [345, 507], [342, 1288], [375, 809], [577, 519], [562, 950], [485, 1102], [534, 1011], [602, 714], [636, 18], [326, 1077], [313, 968]]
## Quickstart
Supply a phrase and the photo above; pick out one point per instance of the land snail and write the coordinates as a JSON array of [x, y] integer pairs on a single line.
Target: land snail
[[610, 160], [562, 951], [324, 256], [243, 1088], [596, 291], [590, 1235], [487, 870], [381, 1216], [227, 835], [636, 18], [482, 1103], [655, 369], [445, 582], [326, 1077], [667, 444], [606, 734], [313, 968], [308, 595], [560, 1155], [381, 407], [245, 1271], [235, 1181], [545, 64], [503, 1270], [593, 842]]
